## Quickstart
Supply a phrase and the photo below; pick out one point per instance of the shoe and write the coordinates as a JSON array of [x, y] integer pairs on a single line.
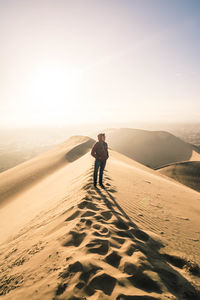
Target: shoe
[[103, 186], [95, 184]]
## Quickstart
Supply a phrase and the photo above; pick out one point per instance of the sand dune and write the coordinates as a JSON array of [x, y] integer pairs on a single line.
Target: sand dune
[[188, 173], [64, 239], [151, 148], [28, 173]]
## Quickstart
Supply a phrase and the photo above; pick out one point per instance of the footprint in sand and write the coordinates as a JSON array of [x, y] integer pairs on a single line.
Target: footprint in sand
[[88, 214], [116, 242], [99, 246], [73, 216], [113, 259], [74, 239], [124, 233], [103, 282], [61, 288], [107, 215], [88, 204], [139, 279], [101, 231], [131, 249], [88, 222]]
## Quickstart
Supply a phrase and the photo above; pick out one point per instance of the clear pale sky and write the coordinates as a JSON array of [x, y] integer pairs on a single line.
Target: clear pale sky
[[86, 61]]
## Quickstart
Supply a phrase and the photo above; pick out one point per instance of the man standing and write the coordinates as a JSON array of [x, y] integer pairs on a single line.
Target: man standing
[[100, 153]]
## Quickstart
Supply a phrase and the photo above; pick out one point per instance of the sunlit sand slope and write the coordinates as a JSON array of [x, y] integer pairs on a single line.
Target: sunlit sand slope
[[158, 203], [77, 242], [28, 173]]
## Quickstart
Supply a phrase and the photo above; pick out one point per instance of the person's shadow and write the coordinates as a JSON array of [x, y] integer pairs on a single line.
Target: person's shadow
[[163, 266]]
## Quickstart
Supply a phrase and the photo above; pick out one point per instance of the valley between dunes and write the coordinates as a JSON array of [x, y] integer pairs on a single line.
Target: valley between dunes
[[63, 239]]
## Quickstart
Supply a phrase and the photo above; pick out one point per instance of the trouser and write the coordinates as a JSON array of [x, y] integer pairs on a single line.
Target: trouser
[[99, 164]]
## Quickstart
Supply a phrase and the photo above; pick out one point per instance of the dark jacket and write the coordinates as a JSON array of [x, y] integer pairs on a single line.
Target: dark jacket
[[98, 152]]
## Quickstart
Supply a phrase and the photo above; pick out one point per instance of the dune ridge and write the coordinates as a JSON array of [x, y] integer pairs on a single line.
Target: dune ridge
[[24, 175]]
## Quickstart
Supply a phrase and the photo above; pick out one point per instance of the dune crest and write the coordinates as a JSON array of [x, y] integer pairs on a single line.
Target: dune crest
[[16, 179]]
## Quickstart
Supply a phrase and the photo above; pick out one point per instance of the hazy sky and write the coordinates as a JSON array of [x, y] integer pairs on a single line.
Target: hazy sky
[[85, 61]]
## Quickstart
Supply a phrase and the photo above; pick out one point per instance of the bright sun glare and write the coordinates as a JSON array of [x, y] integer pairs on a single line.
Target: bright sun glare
[[52, 91]]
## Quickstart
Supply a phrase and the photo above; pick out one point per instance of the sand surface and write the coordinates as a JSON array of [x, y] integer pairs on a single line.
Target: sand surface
[[188, 173], [151, 148], [63, 239]]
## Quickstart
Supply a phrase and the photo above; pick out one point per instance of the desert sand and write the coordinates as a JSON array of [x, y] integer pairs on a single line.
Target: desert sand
[[153, 149], [63, 239], [187, 172]]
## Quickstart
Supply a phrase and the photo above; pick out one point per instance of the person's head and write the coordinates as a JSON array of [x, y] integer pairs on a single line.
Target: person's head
[[101, 137]]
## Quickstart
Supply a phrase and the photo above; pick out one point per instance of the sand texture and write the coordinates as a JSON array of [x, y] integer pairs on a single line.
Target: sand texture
[[61, 238], [188, 173]]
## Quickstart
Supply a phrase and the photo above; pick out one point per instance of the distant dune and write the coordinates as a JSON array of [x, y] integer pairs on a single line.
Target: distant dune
[[188, 173], [63, 239], [151, 148]]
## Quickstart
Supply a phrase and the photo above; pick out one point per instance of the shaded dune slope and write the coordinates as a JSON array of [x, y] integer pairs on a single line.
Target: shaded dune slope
[[187, 173], [151, 148], [93, 251], [28, 173]]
